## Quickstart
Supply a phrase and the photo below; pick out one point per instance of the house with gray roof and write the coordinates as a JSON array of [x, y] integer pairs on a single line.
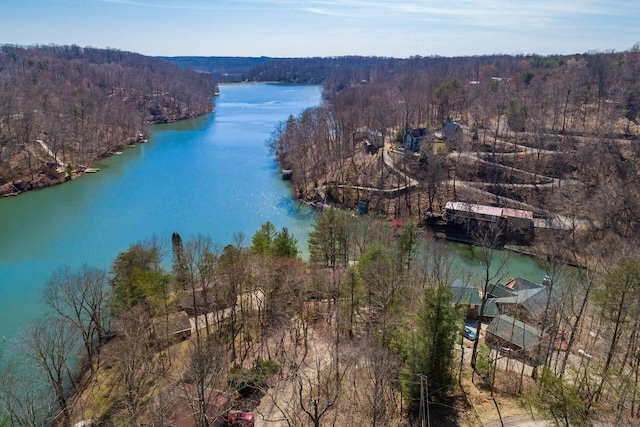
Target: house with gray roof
[[414, 138], [507, 332], [522, 298], [451, 131], [464, 295]]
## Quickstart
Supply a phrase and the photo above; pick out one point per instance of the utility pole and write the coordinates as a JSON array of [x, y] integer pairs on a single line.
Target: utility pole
[[424, 392], [426, 387], [422, 401]]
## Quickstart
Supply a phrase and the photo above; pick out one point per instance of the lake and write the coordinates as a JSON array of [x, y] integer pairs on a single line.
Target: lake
[[212, 175]]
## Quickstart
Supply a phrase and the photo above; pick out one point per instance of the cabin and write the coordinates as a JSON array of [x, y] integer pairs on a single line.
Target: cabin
[[375, 140], [511, 335], [414, 138]]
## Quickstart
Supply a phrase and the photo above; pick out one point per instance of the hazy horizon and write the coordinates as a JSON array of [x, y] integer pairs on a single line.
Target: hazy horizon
[[325, 28]]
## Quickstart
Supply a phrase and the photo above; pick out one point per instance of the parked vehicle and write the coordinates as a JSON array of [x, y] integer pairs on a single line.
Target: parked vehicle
[[240, 418], [469, 334]]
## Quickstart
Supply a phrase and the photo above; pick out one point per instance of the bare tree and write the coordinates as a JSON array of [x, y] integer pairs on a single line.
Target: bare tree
[[50, 344], [133, 359], [81, 297]]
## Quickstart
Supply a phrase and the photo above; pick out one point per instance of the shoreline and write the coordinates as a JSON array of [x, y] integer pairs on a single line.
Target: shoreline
[[42, 180]]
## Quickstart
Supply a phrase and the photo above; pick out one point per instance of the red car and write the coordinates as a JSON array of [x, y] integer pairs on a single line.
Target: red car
[[240, 418]]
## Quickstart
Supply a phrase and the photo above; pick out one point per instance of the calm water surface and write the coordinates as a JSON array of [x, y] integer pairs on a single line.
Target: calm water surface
[[212, 175]]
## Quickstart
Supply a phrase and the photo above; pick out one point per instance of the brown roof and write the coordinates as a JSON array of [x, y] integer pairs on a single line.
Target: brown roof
[[182, 403], [176, 323]]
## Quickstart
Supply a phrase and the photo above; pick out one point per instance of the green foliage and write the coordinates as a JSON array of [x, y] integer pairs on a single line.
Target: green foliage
[[399, 136], [268, 241], [137, 276], [453, 85], [248, 381], [352, 295], [285, 245], [180, 266], [429, 350], [560, 400], [517, 115], [618, 297], [527, 76], [407, 241], [262, 240], [330, 239], [483, 362]]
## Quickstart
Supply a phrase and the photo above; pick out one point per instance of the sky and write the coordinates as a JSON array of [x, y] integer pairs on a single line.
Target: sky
[[308, 28]]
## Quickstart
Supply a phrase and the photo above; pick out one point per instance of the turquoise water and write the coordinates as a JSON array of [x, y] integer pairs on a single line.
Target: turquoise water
[[212, 175]]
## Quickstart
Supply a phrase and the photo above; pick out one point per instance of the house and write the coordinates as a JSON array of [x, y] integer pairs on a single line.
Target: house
[[180, 403], [510, 224], [451, 131], [464, 295], [174, 326], [507, 332], [373, 138], [204, 300], [525, 299], [413, 139]]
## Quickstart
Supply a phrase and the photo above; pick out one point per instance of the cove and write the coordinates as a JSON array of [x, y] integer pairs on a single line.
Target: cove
[[212, 175]]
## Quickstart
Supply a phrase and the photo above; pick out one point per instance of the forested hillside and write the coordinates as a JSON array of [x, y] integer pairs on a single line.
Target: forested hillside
[[63, 107], [222, 68], [557, 136]]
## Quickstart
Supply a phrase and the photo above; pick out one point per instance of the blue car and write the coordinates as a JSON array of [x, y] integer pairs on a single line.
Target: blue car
[[469, 334]]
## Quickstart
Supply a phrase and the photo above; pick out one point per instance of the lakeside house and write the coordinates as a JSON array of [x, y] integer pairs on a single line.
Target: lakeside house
[[511, 310], [512, 335], [467, 296], [509, 224], [524, 299], [204, 300], [374, 139]]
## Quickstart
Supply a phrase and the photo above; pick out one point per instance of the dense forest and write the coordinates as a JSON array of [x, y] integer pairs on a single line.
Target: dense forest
[[221, 68], [63, 107]]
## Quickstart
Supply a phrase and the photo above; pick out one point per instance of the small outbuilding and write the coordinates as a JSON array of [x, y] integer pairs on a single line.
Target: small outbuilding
[[451, 131]]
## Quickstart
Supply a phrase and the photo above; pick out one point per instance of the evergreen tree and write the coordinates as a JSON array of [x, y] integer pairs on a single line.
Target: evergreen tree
[[429, 351], [262, 241], [180, 269], [285, 245]]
